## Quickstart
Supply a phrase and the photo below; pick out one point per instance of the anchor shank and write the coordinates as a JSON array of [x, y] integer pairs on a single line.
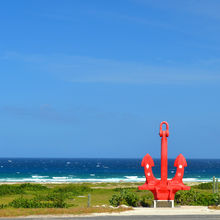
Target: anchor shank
[[164, 159]]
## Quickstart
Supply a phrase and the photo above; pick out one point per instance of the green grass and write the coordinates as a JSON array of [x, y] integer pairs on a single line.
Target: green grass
[[66, 197], [26, 199]]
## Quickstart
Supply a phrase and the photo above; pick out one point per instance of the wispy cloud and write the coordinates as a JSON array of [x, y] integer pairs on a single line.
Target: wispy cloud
[[132, 19], [202, 7], [44, 112], [95, 70], [66, 116]]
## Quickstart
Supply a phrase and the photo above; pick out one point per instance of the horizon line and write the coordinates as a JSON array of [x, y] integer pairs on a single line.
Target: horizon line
[[122, 158]]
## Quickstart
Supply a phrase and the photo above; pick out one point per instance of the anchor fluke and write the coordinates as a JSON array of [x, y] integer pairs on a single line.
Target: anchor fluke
[[147, 161], [180, 161]]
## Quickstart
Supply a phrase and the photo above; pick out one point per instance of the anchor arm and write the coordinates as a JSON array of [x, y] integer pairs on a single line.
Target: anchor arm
[[148, 163], [180, 163]]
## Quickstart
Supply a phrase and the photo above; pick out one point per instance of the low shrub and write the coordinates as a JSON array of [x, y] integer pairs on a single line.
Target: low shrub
[[10, 190], [36, 203], [20, 189], [33, 187], [124, 197], [2, 206], [204, 186], [51, 197], [27, 203], [193, 197], [146, 201]]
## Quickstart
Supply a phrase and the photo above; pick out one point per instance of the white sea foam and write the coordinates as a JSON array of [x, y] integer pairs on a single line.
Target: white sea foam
[[46, 179], [196, 180], [133, 179], [39, 177], [60, 177]]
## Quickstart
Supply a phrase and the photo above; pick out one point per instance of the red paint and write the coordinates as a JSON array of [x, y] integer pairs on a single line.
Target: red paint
[[164, 189]]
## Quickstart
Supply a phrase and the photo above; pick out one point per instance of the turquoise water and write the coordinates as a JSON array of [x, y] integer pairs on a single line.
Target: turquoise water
[[98, 170]]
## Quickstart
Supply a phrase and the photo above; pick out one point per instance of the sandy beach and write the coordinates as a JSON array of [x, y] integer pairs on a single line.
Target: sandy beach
[[177, 211]]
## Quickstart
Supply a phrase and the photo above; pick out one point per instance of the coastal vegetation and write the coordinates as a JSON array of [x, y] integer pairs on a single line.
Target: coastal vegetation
[[29, 199], [199, 195]]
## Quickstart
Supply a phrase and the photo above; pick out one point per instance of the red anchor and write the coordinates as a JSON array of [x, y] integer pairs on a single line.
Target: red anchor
[[164, 189]]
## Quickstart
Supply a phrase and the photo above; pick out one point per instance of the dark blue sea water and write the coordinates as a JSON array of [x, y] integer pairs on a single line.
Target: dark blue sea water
[[98, 170]]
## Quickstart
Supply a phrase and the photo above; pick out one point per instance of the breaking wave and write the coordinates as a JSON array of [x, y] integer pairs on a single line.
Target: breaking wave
[[56, 179]]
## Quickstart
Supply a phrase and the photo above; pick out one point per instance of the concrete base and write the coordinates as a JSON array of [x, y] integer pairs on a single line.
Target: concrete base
[[163, 203]]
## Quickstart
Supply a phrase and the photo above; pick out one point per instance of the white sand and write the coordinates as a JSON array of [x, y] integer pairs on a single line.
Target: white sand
[[184, 210]]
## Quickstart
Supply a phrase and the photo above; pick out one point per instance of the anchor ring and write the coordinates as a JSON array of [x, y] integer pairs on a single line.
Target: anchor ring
[[166, 132]]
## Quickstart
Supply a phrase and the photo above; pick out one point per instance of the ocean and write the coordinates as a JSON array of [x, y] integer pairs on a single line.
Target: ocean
[[98, 170]]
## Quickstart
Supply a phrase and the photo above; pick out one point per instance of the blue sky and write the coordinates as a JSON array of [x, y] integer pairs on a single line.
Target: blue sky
[[95, 78]]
